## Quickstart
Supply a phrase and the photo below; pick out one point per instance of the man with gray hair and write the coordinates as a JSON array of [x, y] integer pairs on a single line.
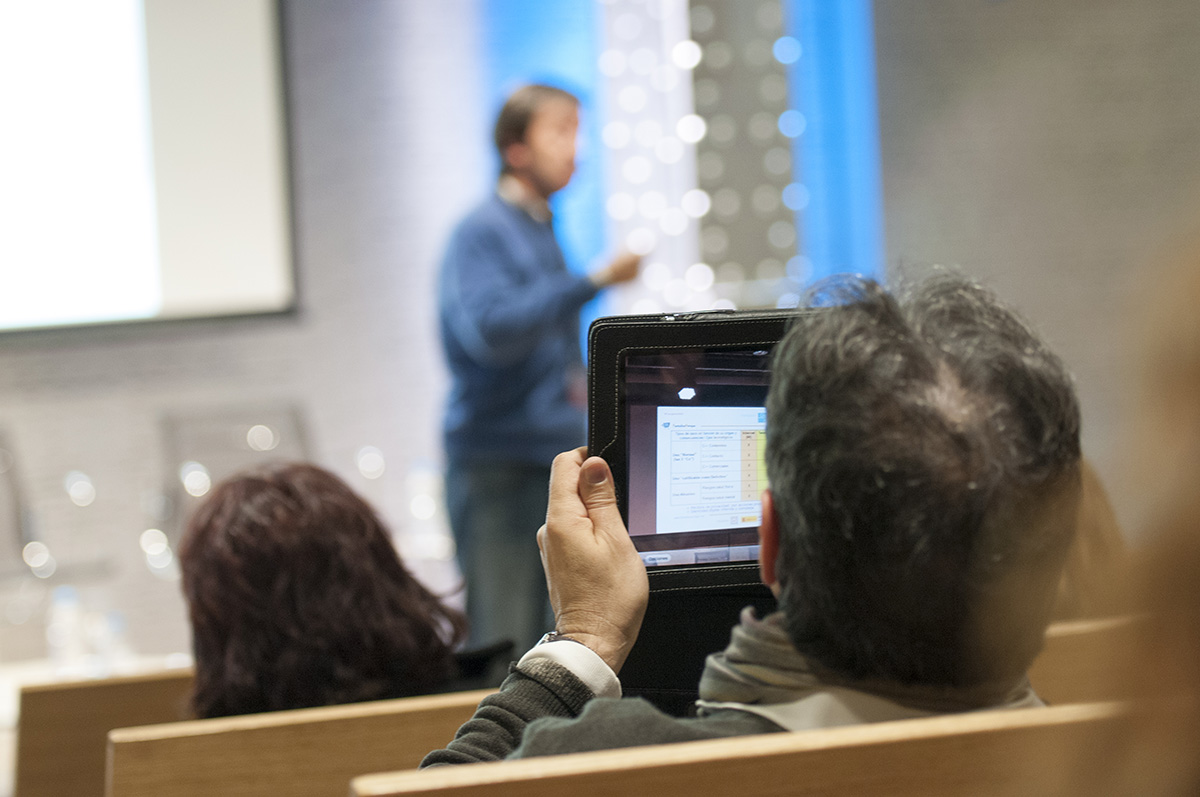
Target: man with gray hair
[[924, 465]]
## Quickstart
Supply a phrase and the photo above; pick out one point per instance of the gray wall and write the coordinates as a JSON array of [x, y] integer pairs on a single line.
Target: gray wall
[[1050, 147], [388, 149]]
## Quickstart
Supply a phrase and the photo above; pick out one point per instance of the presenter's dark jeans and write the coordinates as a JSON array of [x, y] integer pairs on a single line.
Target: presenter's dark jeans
[[495, 511]]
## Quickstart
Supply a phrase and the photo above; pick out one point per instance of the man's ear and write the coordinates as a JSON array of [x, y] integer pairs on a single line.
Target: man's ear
[[768, 542], [517, 155]]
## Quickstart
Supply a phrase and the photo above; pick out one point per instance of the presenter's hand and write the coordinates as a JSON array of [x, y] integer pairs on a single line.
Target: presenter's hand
[[597, 581], [623, 268]]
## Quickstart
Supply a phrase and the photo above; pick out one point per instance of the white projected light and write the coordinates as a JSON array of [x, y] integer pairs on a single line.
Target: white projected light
[[77, 212], [142, 171], [195, 478], [370, 462]]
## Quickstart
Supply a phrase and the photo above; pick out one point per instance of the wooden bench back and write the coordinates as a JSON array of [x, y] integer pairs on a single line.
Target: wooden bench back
[[336, 743], [301, 753], [62, 728], [983, 753], [1076, 664]]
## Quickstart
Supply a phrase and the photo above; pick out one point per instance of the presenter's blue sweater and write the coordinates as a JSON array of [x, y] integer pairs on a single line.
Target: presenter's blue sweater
[[509, 320]]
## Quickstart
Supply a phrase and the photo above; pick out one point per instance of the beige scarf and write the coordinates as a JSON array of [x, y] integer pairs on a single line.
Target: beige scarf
[[762, 673]]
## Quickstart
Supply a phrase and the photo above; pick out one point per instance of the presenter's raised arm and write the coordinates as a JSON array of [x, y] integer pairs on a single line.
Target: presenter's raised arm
[[622, 268]]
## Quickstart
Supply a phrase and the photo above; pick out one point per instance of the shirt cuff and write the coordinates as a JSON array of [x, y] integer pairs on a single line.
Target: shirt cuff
[[583, 663]]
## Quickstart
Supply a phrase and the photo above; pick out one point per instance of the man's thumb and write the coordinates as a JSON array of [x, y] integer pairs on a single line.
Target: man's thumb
[[597, 491]]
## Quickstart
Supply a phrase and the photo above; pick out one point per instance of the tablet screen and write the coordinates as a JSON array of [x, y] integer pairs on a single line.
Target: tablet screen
[[696, 426]]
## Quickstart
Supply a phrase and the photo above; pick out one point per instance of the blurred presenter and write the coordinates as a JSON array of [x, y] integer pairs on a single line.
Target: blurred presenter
[[509, 318]]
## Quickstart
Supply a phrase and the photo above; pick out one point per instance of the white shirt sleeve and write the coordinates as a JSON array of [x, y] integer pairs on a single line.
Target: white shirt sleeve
[[582, 661]]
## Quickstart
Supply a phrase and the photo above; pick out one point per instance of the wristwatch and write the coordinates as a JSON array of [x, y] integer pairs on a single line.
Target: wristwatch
[[554, 636]]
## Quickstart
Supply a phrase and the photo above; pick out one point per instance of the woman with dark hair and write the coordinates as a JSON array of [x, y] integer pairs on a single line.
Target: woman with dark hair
[[298, 598]]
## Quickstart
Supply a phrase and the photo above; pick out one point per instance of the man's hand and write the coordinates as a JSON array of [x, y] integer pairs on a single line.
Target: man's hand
[[597, 581], [623, 268]]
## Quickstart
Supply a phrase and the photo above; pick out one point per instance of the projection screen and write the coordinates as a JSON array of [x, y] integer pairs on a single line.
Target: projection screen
[[143, 161]]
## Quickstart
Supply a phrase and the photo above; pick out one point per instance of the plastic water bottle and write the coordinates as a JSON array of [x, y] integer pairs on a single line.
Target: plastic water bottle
[[66, 639], [112, 645]]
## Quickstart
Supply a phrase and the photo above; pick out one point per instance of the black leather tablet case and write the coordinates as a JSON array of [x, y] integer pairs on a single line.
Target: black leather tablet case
[[692, 608]]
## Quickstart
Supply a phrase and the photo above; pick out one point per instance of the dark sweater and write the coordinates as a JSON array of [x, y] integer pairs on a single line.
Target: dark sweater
[[759, 684], [509, 318], [543, 709]]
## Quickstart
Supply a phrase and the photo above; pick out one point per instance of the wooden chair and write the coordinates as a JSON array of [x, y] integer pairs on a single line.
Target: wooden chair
[[1075, 666], [984, 753], [62, 727], [301, 753]]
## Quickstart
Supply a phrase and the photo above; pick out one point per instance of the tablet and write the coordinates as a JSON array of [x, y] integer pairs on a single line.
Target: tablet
[[676, 406]]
